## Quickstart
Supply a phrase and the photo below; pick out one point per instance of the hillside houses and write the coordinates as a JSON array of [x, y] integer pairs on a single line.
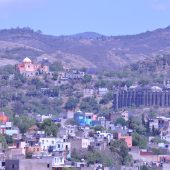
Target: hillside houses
[[57, 151]]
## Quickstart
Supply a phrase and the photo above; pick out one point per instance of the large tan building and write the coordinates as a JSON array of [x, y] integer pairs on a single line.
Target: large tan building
[[28, 69]]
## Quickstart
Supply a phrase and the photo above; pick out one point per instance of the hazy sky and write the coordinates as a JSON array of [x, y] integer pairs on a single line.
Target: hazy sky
[[110, 17]]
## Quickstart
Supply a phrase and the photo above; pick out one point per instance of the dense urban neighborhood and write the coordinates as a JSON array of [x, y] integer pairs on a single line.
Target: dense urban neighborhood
[[55, 118], [84, 85]]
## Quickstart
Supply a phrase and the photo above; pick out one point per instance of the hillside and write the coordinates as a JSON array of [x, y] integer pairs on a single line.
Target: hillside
[[88, 49]]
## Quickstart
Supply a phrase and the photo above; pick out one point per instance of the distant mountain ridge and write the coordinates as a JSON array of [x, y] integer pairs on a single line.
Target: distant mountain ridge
[[89, 49]]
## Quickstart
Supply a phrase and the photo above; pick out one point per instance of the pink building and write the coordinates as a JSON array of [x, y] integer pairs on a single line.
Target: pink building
[[127, 139], [28, 69]]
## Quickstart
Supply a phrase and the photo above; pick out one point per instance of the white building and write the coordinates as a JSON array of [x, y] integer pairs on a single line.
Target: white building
[[154, 123], [71, 130], [58, 160], [57, 144], [88, 92], [103, 91], [9, 129], [85, 143], [43, 117], [166, 137]]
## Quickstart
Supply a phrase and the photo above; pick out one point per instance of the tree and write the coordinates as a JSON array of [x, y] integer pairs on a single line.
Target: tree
[[38, 83], [24, 122], [157, 139], [139, 140], [56, 67], [71, 103], [144, 167], [89, 104], [50, 128], [155, 132], [143, 120], [136, 125], [87, 79], [120, 147], [98, 128], [158, 151], [3, 141], [9, 139], [18, 108], [94, 156], [55, 76], [121, 121]]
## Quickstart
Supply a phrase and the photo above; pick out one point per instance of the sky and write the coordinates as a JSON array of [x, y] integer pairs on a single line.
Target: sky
[[65, 17]]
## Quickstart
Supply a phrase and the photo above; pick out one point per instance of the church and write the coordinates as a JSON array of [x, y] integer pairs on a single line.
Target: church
[[28, 69]]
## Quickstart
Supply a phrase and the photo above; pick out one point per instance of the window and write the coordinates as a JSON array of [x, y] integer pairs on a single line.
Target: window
[[58, 145], [53, 142], [42, 141], [13, 166], [48, 165], [3, 163], [61, 160]]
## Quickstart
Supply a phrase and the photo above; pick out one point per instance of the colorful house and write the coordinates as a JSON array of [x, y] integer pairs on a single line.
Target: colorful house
[[3, 117], [83, 119], [28, 69], [126, 138]]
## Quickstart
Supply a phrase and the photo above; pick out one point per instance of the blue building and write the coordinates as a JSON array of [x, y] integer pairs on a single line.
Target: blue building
[[85, 119]]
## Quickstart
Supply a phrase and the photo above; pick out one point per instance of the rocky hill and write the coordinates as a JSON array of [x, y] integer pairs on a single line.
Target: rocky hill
[[88, 49]]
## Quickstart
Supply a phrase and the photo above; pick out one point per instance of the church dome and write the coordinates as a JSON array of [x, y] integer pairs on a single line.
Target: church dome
[[27, 60]]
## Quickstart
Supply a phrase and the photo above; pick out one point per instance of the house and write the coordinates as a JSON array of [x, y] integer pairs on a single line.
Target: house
[[125, 115], [71, 130], [3, 117], [83, 119], [166, 137], [103, 135], [74, 74], [102, 121], [31, 164], [52, 144], [33, 129], [43, 117], [50, 92], [15, 153], [153, 123], [36, 149], [80, 143], [162, 123], [70, 74], [126, 138], [99, 145], [46, 163], [21, 145], [58, 160], [102, 91], [28, 69], [70, 114], [13, 131], [88, 92], [9, 129]]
